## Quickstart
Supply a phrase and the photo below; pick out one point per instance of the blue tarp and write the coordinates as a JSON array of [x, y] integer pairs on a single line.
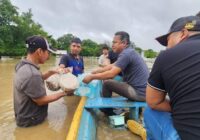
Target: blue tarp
[[91, 90]]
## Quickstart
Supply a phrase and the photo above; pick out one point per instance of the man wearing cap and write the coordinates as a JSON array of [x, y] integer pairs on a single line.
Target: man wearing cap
[[30, 98], [134, 70], [176, 72], [73, 59]]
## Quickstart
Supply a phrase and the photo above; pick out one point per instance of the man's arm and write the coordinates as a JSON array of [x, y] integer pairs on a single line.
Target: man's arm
[[47, 99], [111, 73], [102, 69], [57, 70], [62, 66], [156, 99], [49, 73], [63, 69], [64, 61]]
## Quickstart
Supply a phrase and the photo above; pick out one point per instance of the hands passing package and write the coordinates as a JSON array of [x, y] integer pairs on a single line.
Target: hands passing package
[[69, 82], [66, 82]]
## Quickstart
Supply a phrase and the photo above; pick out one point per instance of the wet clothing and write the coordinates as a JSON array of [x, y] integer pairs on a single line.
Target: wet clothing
[[28, 85], [177, 72], [112, 56], [69, 60]]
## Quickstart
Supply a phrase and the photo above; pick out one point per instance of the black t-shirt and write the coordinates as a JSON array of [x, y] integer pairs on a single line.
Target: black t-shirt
[[112, 56], [177, 72]]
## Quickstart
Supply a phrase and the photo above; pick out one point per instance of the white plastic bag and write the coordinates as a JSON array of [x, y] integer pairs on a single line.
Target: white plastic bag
[[68, 82], [53, 82]]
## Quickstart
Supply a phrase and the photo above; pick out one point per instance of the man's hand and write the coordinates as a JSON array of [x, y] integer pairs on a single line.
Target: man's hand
[[49, 73], [69, 92], [53, 71], [102, 69], [63, 70], [87, 79]]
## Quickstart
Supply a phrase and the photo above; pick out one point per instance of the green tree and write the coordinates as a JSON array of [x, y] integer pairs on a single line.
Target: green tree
[[15, 28], [27, 27], [150, 53], [90, 48], [7, 14], [63, 42]]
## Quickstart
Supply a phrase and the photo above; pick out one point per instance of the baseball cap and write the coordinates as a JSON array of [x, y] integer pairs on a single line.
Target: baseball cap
[[39, 42], [191, 23]]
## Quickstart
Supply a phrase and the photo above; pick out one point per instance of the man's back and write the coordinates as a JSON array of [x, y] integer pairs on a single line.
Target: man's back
[[179, 69]]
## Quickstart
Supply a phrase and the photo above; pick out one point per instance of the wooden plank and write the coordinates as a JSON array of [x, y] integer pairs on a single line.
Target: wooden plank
[[115, 102]]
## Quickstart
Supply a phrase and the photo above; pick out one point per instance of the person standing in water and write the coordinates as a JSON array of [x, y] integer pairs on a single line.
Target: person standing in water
[[30, 98]]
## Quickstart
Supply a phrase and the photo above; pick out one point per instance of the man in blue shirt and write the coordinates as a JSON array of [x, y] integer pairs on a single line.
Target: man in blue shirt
[[73, 59], [134, 70]]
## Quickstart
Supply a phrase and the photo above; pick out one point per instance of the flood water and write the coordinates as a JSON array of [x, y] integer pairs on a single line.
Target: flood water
[[60, 113]]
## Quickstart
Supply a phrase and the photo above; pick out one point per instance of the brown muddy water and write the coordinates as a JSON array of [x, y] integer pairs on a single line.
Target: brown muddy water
[[60, 113]]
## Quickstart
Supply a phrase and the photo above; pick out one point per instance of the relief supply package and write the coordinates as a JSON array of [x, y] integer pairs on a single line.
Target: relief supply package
[[67, 82]]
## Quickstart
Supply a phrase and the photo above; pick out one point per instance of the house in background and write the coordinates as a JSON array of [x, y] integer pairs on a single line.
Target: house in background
[[60, 52]]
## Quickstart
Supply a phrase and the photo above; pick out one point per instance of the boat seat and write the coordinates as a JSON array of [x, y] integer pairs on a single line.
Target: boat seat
[[116, 102]]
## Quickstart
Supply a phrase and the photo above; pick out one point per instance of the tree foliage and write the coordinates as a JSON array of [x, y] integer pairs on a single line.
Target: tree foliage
[[90, 48], [7, 16], [15, 28], [64, 41], [150, 53]]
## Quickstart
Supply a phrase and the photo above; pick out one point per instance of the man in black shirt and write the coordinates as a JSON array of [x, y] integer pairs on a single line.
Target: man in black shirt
[[176, 72]]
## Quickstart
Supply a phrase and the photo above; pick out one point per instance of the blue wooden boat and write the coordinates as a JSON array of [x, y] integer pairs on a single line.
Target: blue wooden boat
[[84, 123]]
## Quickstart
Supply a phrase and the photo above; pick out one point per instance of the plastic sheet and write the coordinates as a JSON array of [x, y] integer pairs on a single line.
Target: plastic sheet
[[91, 90]]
